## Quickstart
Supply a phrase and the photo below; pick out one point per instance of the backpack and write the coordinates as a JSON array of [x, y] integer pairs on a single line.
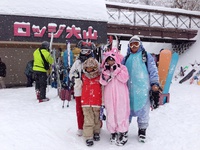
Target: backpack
[[46, 64]]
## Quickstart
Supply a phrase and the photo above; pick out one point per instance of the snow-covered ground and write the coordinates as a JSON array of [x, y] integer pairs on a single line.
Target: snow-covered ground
[[26, 124]]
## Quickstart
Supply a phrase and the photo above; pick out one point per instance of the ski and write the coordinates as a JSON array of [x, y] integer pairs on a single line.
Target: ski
[[66, 87]]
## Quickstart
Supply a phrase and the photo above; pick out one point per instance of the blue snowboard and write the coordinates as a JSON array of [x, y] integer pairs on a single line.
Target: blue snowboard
[[172, 68]]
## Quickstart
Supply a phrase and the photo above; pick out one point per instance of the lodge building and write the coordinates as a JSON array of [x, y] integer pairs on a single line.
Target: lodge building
[[20, 35]]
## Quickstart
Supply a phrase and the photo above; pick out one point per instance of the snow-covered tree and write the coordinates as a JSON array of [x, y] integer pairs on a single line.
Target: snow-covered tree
[[182, 4]]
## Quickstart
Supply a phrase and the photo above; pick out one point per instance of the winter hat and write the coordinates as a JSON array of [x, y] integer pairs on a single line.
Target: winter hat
[[134, 38], [45, 45], [86, 47], [90, 62]]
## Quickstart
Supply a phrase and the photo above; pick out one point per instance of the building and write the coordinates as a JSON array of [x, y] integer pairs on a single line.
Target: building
[[24, 25]]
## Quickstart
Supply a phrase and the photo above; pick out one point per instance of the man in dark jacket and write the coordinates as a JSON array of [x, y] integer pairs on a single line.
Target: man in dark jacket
[[39, 70], [2, 74], [29, 73]]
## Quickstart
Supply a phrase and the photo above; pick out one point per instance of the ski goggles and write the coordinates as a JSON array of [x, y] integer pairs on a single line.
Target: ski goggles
[[85, 51], [134, 44]]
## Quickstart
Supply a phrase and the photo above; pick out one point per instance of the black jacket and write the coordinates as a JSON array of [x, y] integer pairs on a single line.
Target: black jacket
[[2, 69]]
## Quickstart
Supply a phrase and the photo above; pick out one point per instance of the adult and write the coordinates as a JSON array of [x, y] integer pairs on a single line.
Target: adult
[[143, 78], [40, 68], [29, 74]]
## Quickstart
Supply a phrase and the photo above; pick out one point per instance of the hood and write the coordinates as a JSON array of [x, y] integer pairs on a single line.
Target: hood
[[108, 54]]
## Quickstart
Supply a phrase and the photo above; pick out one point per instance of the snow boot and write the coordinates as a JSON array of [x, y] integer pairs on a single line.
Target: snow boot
[[142, 135], [96, 137], [79, 132], [122, 138], [43, 100], [89, 142], [113, 138], [37, 94]]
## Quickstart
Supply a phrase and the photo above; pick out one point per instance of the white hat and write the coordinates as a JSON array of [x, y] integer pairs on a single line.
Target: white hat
[[134, 38]]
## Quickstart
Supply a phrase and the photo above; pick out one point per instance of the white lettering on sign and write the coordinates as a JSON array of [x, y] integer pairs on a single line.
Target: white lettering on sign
[[23, 29]]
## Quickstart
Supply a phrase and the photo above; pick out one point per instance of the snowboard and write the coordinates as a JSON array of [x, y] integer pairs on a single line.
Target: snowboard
[[188, 76], [195, 77], [163, 67], [172, 67]]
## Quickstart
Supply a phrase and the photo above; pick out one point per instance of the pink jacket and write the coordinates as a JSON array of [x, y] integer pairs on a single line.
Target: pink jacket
[[116, 96]]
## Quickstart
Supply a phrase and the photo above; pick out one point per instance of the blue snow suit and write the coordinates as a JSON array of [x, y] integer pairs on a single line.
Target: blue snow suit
[[142, 76]]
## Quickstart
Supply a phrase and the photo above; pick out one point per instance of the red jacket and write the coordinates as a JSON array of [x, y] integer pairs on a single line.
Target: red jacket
[[91, 92]]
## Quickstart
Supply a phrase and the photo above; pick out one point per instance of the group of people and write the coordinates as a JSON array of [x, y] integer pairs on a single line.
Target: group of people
[[121, 86]]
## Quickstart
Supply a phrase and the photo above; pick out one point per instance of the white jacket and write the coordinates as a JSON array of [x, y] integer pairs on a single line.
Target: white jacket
[[76, 67]]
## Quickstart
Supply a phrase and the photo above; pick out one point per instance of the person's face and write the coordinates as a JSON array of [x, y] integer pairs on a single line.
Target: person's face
[[134, 46], [110, 62], [89, 69]]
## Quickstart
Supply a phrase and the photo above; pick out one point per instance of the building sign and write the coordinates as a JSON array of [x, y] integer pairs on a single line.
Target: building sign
[[37, 29], [24, 29]]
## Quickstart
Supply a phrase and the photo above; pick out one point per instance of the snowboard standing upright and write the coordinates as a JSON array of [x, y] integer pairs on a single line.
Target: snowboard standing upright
[[163, 67], [172, 67]]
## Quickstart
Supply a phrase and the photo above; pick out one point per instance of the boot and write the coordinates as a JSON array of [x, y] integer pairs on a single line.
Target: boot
[[37, 94], [113, 138], [96, 137], [89, 142], [142, 135], [122, 138], [79, 132], [43, 100]]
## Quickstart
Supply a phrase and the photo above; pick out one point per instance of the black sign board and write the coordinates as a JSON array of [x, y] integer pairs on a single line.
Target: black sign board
[[37, 29]]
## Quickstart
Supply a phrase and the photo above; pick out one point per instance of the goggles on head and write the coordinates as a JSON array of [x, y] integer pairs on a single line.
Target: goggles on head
[[85, 51], [86, 43], [134, 44]]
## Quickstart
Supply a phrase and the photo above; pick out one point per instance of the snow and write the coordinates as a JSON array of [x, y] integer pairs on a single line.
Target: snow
[[148, 7], [28, 125], [94, 10]]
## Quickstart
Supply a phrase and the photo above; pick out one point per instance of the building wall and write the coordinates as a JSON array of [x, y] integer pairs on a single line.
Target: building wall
[[16, 60]]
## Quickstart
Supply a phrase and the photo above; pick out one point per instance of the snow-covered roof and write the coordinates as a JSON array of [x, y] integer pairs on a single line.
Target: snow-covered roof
[[93, 10], [148, 7]]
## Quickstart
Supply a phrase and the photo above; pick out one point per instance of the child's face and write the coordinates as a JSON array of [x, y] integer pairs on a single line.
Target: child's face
[[110, 62], [89, 69]]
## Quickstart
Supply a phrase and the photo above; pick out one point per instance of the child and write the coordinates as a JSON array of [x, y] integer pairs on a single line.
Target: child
[[75, 73], [116, 98], [91, 100]]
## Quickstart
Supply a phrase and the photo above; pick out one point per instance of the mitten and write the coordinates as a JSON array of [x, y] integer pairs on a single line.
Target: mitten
[[154, 98], [114, 67], [107, 67]]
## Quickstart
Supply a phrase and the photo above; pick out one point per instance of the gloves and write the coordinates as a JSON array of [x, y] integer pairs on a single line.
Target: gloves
[[114, 67], [154, 98], [107, 67], [76, 74]]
